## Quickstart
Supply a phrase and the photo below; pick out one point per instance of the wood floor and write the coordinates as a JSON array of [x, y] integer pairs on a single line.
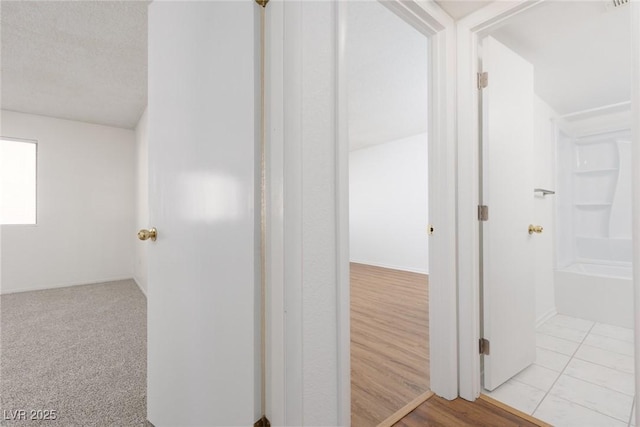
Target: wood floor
[[438, 412], [389, 341]]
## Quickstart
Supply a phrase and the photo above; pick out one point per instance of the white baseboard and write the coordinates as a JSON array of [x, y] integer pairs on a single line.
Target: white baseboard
[[64, 285], [392, 267], [144, 292], [546, 316]]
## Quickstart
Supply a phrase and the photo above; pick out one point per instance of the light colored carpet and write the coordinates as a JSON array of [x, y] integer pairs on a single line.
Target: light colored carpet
[[81, 351]]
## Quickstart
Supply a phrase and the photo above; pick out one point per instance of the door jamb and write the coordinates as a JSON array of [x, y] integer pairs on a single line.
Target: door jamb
[[469, 31], [635, 196], [283, 246], [429, 19], [284, 273]]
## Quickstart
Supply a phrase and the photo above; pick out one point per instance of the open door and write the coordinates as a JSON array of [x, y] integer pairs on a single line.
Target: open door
[[203, 318], [507, 189]]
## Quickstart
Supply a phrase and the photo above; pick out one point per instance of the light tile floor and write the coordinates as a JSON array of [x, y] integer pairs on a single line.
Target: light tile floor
[[582, 376]]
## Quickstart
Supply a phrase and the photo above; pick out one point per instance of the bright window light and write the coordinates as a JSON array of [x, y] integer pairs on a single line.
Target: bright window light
[[17, 181]]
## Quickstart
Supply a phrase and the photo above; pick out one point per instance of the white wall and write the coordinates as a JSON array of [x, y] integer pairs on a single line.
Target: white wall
[[320, 388], [142, 201], [85, 206], [544, 175], [305, 372], [388, 204]]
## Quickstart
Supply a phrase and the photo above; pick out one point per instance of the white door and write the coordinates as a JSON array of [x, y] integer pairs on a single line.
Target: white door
[[508, 281], [203, 369]]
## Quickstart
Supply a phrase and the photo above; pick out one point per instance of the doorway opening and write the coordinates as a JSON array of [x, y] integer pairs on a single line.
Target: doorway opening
[[557, 290], [73, 317], [387, 79]]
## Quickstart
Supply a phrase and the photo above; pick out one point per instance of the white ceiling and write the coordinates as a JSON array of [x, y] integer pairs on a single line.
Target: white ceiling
[[387, 62], [580, 51], [86, 60], [461, 8], [78, 60]]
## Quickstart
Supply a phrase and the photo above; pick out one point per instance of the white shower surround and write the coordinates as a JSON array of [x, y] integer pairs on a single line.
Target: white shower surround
[[594, 277], [596, 292]]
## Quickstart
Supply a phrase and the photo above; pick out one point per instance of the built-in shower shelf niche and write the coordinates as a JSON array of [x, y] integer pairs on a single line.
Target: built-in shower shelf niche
[[592, 220], [596, 171], [594, 188], [587, 205], [599, 154]]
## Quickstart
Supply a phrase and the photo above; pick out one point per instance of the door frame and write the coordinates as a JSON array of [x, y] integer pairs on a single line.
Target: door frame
[[284, 227], [469, 31], [429, 19], [635, 195]]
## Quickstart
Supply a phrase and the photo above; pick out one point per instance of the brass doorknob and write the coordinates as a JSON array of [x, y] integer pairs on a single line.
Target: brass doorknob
[[535, 229], [152, 234]]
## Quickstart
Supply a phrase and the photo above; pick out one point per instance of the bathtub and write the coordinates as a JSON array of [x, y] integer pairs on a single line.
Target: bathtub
[[598, 292]]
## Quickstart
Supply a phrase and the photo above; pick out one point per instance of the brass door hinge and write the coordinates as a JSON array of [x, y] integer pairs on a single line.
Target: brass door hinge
[[262, 3], [483, 213], [483, 80], [484, 346]]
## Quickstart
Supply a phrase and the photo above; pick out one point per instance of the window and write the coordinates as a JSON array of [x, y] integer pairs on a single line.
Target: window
[[17, 181]]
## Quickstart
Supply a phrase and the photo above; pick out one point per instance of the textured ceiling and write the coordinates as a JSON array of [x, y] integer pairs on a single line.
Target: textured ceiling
[[78, 60], [387, 62], [580, 50]]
